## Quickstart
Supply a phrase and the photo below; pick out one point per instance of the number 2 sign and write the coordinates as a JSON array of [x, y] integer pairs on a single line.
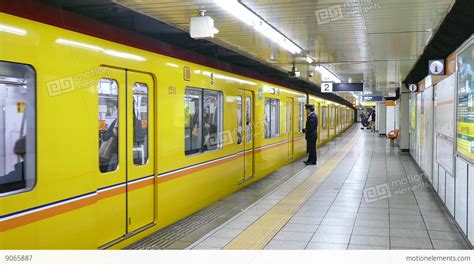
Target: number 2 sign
[[326, 87]]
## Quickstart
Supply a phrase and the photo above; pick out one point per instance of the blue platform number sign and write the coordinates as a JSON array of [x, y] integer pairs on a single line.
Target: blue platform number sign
[[436, 67]]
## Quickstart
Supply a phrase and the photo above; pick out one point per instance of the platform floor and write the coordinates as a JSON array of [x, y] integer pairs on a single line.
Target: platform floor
[[363, 194]]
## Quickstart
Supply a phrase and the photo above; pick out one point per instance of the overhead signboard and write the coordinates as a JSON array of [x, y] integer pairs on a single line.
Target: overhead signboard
[[348, 87], [326, 87], [436, 67], [341, 87], [373, 98]]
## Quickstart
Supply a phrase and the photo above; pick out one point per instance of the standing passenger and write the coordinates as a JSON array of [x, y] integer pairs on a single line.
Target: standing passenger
[[373, 121], [311, 136]]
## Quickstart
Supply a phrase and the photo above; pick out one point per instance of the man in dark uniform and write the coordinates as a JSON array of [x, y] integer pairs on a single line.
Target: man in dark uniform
[[311, 132]]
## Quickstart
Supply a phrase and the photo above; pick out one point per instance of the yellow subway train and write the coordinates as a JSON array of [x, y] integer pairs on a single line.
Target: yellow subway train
[[104, 143]]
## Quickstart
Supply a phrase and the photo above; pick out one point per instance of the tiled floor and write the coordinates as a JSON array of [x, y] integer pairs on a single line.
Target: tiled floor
[[185, 232], [374, 199]]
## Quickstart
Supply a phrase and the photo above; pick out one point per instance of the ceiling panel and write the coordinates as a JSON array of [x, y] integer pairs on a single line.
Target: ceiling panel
[[397, 46], [376, 41]]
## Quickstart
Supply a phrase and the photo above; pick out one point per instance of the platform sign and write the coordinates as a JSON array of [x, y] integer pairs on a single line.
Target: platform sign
[[20, 107], [326, 87], [412, 87], [341, 87], [347, 87], [373, 98], [436, 67], [428, 81]]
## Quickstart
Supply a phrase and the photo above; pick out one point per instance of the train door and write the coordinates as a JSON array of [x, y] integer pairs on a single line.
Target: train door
[[245, 115], [140, 150], [317, 110], [289, 126], [248, 133], [126, 149], [111, 204]]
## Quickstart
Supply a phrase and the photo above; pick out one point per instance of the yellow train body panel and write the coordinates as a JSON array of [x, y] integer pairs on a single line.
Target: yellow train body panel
[[75, 206]]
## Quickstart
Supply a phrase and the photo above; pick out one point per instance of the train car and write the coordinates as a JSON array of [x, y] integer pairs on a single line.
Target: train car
[[106, 143]]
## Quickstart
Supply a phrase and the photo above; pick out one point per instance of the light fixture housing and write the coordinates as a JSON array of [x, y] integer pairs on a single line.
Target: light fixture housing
[[308, 59], [202, 26], [294, 73], [326, 75], [243, 13]]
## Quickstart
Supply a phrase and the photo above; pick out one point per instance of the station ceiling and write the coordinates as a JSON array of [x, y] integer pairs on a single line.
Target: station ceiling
[[372, 41]]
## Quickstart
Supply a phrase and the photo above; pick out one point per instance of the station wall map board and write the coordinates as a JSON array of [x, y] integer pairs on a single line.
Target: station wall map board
[[465, 101], [445, 92], [444, 153]]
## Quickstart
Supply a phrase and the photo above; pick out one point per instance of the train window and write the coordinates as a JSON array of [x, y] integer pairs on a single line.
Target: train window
[[332, 116], [324, 111], [203, 123], [288, 118], [140, 124], [17, 128], [192, 127], [272, 118], [301, 116], [267, 118], [248, 118], [239, 119], [108, 125], [212, 120]]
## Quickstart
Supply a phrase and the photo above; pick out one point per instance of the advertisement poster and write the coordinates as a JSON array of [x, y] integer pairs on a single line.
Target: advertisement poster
[[465, 111], [413, 113]]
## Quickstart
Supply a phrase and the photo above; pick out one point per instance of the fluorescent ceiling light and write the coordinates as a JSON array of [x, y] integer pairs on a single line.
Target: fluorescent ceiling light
[[13, 30], [247, 16], [327, 75], [308, 59], [99, 49]]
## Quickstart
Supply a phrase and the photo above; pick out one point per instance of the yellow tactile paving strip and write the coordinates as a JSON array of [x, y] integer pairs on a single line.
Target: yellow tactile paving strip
[[257, 235]]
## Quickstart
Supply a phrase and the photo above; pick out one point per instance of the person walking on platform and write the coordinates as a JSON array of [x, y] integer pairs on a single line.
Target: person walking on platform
[[372, 123], [311, 134]]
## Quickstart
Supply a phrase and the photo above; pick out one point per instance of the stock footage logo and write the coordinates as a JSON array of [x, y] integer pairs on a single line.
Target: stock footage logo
[[330, 14], [348, 9], [60, 86], [376, 193], [77, 81], [225, 137]]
